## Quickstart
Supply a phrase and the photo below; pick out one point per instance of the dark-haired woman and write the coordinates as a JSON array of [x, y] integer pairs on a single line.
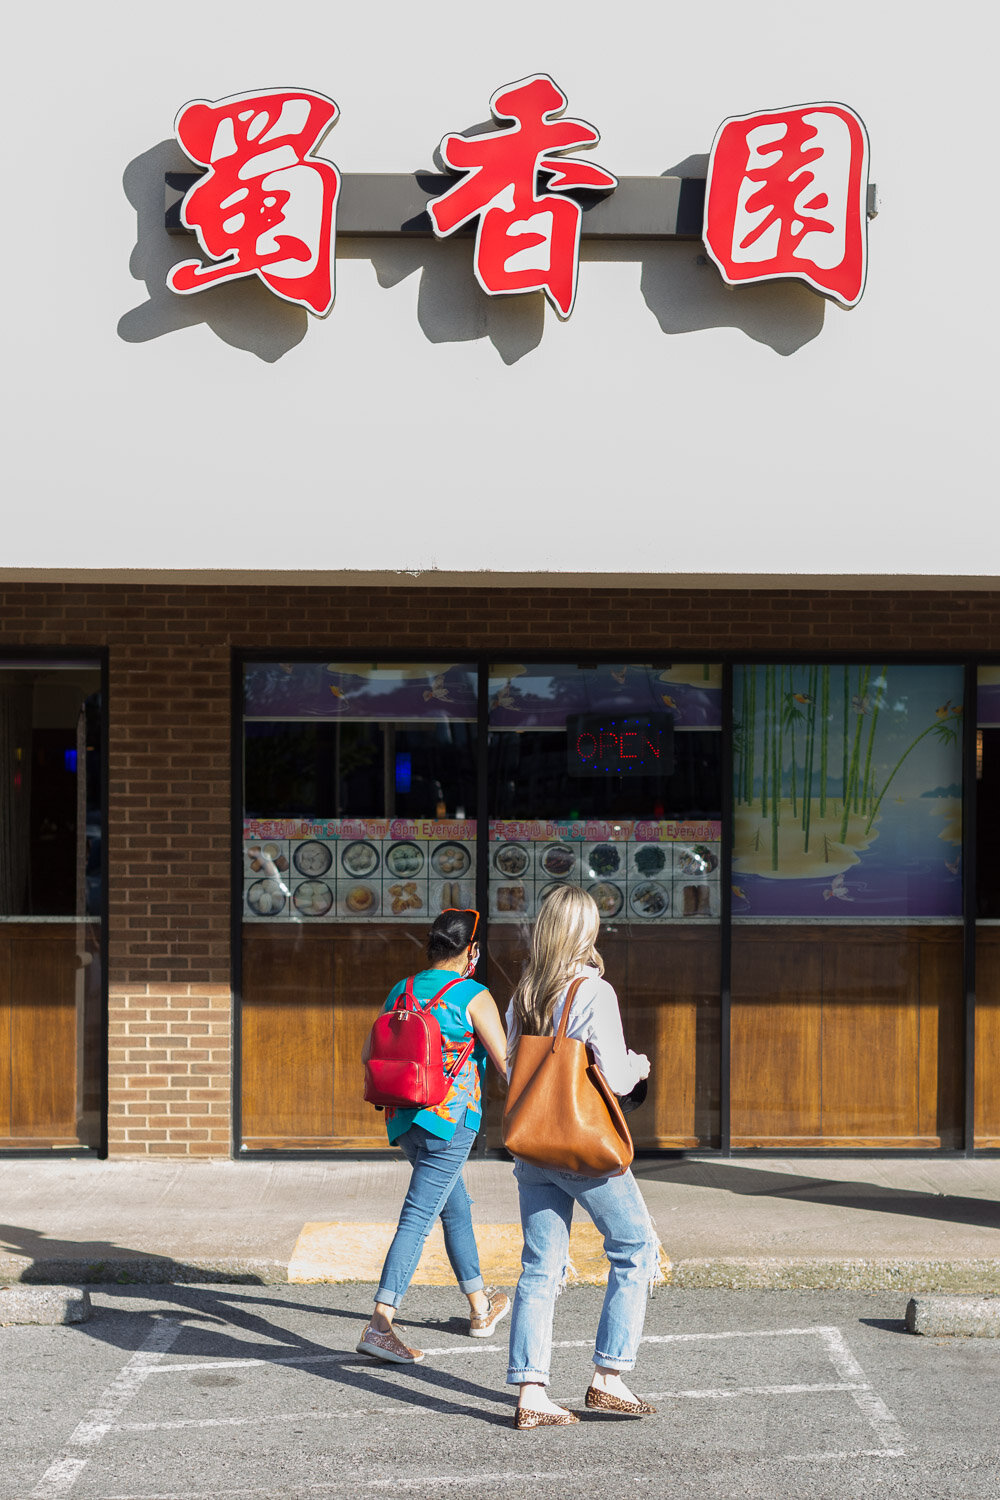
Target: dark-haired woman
[[437, 1140]]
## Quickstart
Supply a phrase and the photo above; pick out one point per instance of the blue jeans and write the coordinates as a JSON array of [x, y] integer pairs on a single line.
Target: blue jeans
[[436, 1187], [630, 1243]]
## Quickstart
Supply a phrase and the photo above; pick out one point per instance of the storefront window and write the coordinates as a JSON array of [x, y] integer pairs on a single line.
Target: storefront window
[[51, 903], [847, 904], [987, 1050], [359, 784], [359, 827], [362, 784], [609, 777]]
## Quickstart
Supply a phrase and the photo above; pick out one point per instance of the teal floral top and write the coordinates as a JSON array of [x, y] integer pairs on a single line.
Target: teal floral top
[[462, 1105]]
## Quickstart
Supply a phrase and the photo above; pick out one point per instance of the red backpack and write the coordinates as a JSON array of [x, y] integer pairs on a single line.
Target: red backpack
[[405, 1064]]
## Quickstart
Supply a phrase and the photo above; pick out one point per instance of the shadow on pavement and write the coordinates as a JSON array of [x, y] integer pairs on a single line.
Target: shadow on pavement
[[103, 1260], [887, 1325], [234, 1324], [758, 1182]]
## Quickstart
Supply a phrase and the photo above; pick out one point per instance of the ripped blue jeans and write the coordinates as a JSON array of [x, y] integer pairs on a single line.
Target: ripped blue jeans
[[436, 1187], [617, 1208]]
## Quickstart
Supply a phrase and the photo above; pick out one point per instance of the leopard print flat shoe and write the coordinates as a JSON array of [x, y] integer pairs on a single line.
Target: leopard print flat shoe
[[524, 1419], [596, 1400]]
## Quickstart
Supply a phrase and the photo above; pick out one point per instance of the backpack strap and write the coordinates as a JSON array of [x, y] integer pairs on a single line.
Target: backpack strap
[[408, 1001]]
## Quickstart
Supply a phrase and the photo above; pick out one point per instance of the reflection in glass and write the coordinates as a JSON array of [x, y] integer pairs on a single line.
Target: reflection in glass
[[987, 1049], [323, 740], [51, 899], [50, 793], [609, 776], [359, 827]]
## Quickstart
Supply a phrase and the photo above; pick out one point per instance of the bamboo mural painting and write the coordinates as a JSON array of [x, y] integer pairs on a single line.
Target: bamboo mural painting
[[817, 748]]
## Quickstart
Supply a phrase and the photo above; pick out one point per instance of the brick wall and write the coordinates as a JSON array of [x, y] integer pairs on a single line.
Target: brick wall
[[169, 819]]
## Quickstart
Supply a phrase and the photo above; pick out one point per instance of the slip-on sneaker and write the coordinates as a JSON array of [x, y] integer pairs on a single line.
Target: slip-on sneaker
[[596, 1400], [387, 1347], [481, 1326], [525, 1420]]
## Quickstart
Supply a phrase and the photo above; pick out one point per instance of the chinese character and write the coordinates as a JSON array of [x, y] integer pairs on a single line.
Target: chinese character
[[787, 196], [266, 207], [528, 236]]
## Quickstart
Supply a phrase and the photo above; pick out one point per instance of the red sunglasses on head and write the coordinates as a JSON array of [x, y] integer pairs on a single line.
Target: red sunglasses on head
[[475, 924]]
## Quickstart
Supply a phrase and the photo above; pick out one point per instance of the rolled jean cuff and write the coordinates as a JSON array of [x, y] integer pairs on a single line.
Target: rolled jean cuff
[[616, 1362], [388, 1297], [527, 1377], [476, 1284]]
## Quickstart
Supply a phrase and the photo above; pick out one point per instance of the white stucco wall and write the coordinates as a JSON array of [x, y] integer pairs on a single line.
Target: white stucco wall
[[422, 426]]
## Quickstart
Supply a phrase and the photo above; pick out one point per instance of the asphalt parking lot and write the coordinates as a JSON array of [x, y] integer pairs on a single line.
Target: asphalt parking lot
[[211, 1392]]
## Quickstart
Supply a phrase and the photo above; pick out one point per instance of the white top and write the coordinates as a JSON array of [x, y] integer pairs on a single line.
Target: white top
[[596, 1020]]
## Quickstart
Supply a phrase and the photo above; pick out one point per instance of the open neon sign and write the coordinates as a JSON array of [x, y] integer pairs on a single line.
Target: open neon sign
[[597, 745]]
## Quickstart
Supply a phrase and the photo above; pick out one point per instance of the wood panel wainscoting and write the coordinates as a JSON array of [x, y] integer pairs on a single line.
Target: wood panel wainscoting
[[847, 1036], [50, 1026], [988, 1037], [667, 981], [310, 995]]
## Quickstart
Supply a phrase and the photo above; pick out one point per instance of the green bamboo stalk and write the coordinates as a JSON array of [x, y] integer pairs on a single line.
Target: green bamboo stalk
[[777, 743], [862, 695], [752, 737], [923, 734], [810, 733], [795, 805], [767, 741], [779, 724], [852, 775], [847, 705], [810, 756], [824, 742], [867, 790]]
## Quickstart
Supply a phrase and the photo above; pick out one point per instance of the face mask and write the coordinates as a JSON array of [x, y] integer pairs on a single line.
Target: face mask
[[470, 967]]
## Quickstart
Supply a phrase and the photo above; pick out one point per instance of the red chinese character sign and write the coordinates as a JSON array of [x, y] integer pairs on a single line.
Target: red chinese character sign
[[787, 195], [266, 207], [515, 183]]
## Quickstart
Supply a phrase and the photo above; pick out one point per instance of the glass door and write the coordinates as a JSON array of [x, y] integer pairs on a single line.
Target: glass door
[[51, 904], [987, 1048], [610, 777]]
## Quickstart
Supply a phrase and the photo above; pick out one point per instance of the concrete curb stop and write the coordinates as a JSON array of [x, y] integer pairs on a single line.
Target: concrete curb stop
[[44, 1304], [968, 1317]]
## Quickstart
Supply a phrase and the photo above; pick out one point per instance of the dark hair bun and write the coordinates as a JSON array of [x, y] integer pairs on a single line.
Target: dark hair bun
[[452, 931]]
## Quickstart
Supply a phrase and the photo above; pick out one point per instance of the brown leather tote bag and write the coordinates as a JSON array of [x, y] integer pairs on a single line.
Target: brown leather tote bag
[[560, 1111]]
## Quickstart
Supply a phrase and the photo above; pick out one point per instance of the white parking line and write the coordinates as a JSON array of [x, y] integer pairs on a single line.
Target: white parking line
[[341, 1356], [829, 1458], [62, 1474], [421, 1482], [872, 1407], [338, 1357], [449, 1408]]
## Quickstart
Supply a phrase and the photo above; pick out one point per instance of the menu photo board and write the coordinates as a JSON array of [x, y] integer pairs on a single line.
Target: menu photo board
[[636, 871], [356, 869]]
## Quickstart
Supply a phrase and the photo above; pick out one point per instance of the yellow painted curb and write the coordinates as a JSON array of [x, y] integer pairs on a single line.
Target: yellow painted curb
[[355, 1252]]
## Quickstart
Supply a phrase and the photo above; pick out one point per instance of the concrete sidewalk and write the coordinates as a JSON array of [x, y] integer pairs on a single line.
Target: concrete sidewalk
[[918, 1225]]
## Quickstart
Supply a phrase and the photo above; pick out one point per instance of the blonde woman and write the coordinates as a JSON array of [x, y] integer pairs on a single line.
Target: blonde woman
[[563, 949]]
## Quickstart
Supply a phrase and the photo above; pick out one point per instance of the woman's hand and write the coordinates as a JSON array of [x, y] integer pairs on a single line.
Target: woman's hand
[[489, 1029], [643, 1062]]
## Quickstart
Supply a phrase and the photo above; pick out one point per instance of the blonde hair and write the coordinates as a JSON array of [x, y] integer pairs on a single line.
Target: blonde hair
[[562, 941]]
